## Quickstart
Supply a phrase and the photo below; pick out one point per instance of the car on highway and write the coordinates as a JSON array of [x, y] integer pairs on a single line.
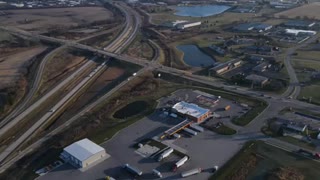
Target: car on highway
[[52, 110]]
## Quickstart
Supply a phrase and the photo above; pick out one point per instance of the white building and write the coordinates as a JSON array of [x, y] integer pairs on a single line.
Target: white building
[[172, 24], [84, 153], [188, 25], [296, 32], [191, 111]]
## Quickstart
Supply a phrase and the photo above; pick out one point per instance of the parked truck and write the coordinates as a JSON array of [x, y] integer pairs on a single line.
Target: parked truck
[[227, 108], [191, 172], [192, 132], [133, 170], [180, 163], [165, 154]]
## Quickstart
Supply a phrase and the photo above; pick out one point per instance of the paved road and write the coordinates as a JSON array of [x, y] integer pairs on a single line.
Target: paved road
[[294, 87], [252, 131], [33, 89], [125, 37]]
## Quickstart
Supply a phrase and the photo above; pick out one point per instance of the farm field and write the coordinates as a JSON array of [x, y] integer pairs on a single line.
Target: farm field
[[13, 65], [309, 10], [258, 160], [41, 20]]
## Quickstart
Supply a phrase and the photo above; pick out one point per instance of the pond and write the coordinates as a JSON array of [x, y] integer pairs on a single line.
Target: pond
[[131, 109], [200, 11], [194, 57]]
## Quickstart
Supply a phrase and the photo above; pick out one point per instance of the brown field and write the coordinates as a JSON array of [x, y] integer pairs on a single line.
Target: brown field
[[310, 10], [58, 67], [14, 64], [96, 89], [49, 19]]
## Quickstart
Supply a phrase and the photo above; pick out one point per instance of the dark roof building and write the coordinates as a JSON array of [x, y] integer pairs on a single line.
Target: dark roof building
[[255, 59], [218, 50], [299, 24], [261, 67], [257, 80]]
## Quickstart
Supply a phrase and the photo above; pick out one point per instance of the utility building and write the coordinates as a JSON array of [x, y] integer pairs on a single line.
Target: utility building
[[83, 153], [191, 111]]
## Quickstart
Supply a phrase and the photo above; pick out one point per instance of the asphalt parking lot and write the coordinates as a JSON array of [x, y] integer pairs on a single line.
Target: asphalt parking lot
[[205, 150]]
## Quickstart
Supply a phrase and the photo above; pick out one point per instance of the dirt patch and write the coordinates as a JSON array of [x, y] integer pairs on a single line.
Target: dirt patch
[[14, 64], [245, 168], [55, 18], [285, 174], [309, 11], [58, 67]]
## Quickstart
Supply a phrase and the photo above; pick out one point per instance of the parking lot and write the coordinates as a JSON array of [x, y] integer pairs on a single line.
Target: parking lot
[[205, 150]]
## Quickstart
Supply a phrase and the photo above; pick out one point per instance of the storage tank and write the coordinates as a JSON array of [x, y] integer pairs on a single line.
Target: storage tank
[[197, 127], [133, 170], [191, 172], [180, 163], [190, 131], [165, 154]]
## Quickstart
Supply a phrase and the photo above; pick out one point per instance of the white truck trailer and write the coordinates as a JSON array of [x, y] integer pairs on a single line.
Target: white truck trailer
[[165, 154]]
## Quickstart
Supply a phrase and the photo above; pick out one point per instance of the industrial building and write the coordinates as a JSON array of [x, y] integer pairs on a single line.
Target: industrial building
[[299, 24], [188, 25], [191, 111], [173, 24], [297, 32], [255, 59], [181, 24], [252, 27], [257, 80], [261, 67], [218, 50], [83, 154], [224, 67]]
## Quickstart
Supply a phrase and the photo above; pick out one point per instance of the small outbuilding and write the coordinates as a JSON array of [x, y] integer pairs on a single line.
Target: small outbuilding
[[83, 154]]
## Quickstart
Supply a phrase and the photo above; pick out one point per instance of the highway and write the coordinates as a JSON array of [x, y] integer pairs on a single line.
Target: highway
[[251, 131], [126, 36], [33, 89]]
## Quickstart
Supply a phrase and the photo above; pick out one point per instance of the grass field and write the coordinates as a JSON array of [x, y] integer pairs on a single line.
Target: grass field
[[250, 115], [309, 10], [45, 19], [257, 160], [311, 91], [313, 55], [140, 48], [223, 130]]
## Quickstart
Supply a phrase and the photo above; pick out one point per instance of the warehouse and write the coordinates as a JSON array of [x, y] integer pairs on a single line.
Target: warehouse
[[227, 66], [257, 80], [83, 153], [191, 111], [299, 24], [297, 32], [188, 25]]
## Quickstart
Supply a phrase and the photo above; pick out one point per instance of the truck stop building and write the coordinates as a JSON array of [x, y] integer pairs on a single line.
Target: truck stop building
[[83, 153], [191, 111]]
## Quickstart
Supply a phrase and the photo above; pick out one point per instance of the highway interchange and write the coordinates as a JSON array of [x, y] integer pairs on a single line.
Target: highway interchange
[[133, 23]]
